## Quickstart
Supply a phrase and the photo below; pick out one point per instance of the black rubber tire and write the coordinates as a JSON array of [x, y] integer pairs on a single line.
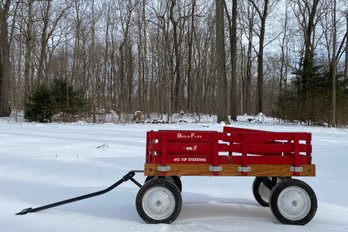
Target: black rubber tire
[[292, 193], [259, 185], [159, 185], [174, 179]]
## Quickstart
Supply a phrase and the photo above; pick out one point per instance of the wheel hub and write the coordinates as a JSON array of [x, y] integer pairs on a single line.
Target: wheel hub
[[158, 203], [294, 203]]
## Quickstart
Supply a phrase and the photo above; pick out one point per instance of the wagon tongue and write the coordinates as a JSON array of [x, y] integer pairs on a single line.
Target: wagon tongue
[[128, 176], [24, 211]]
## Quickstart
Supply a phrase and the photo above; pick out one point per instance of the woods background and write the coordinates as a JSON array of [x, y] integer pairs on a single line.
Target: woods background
[[285, 58]]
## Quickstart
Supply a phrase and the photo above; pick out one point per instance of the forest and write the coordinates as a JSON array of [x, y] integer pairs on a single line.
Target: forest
[[285, 58]]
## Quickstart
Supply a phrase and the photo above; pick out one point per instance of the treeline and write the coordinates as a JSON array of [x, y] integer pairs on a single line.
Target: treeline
[[285, 58]]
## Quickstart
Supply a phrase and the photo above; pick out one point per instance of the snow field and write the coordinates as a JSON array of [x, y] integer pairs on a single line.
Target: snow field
[[44, 163]]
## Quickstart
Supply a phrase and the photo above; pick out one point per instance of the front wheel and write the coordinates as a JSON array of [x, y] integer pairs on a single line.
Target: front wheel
[[158, 201], [174, 179], [293, 202]]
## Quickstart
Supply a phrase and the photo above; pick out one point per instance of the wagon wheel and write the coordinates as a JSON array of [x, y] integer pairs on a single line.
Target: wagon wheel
[[174, 179], [293, 202], [262, 187], [158, 201]]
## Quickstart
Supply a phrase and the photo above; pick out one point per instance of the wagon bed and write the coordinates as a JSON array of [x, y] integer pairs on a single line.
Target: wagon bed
[[233, 152]]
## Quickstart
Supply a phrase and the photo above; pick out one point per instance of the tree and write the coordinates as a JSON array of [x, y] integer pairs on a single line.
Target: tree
[[263, 14], [306, 13], [220, 63], [5, 70], [59, 97], [333, 69], [232, 21], [29, 43], [166, 56], [248, 17], [40, 105], [46, 35], [65, 99], [346, 59]]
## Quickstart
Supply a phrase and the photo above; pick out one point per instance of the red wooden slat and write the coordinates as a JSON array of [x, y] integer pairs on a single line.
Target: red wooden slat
[[164, 150], [148, 139], [275, 148], [286, 160], [243, 146]]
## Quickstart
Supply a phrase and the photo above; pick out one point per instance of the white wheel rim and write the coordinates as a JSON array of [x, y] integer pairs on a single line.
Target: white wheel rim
[[158, 203], [264, 192], [294, 203]]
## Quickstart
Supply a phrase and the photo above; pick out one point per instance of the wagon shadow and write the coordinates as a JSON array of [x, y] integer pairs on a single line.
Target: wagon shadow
[[215, 208], [120, 205]]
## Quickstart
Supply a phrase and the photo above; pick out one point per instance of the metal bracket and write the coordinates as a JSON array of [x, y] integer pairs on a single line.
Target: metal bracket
[[163, 168], [244, 169], [215, 168], [296, 169]]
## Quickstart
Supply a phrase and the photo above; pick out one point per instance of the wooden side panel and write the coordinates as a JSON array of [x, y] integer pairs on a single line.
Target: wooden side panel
[[228, 170]]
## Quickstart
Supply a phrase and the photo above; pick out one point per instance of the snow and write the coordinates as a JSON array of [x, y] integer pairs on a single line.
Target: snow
[[44, 163]]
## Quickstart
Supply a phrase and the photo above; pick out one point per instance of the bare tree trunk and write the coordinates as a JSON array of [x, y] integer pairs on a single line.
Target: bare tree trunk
[[263, 16], [5, 66], [93, 63], [129, 75], [189, 70], [346, 60], [145, 74], [28, 53], [249, 62], [220, 63], [140, 96], [233, 52], [177, 94], [308, 25], [333, 65], [44, 41], [284, 53]]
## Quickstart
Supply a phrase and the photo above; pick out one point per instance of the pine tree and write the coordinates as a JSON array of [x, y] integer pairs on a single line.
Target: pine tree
[[40, 107], [59, 98]]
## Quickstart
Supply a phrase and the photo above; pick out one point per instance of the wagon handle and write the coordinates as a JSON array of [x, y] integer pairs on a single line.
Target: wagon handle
[[125, 178]]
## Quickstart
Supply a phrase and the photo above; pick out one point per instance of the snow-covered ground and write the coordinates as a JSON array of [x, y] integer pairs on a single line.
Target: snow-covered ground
[[44, 163]]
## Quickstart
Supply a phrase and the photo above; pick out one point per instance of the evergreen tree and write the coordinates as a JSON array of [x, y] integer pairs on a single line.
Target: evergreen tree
[[59, 98], [40, 107], [308, 97], [65, 99]]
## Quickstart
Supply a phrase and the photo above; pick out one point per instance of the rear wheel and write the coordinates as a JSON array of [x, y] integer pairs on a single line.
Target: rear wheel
[[158, 201], [293, 202], [262, 187]]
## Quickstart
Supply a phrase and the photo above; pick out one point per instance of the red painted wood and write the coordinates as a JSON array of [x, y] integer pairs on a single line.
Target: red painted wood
[[233, 145]]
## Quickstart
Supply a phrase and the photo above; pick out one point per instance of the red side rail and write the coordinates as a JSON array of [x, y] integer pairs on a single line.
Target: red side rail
[[233, 145]]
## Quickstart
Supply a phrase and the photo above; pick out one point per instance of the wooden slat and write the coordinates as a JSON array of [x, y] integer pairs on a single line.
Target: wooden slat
[[228, 170]]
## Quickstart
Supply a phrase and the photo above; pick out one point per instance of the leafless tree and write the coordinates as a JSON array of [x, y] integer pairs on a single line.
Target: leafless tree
[[5, 70], [220, 62]]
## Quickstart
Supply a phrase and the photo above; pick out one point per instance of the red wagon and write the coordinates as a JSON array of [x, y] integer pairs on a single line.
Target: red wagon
[[273, 158]]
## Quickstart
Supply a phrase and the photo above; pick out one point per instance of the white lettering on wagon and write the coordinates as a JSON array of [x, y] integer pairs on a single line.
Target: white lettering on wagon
[[188, 136], [191, 148], [192, 159]]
